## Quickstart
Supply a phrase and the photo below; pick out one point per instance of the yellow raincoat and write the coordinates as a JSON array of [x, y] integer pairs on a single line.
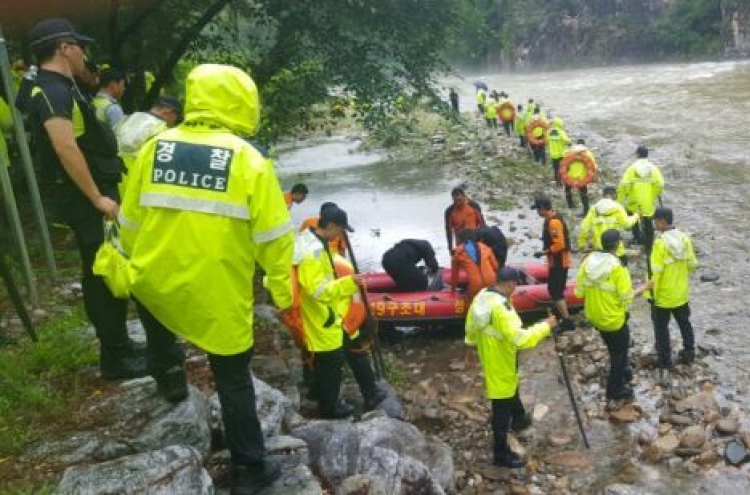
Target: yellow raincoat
[[494, 327], [604, 215], [672, 262], [606, 289], [557, 139], [201, 208], [640, 187]]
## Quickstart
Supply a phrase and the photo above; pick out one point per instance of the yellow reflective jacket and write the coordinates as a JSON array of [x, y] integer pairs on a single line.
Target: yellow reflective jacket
[[606, 289], [672, 262], [324, 298], [481, 96], [494, 327], [490, 110], [604, 215], [640, 187], [557, 139], [201, 208], [519, 124], [132, 133]]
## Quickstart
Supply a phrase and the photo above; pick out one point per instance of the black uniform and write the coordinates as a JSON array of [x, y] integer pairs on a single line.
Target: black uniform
[[400, 262]]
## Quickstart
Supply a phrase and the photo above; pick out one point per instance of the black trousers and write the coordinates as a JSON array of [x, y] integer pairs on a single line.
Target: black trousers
[[660, 317], [645, 236], [359, 363], [508, 126], [503, 411], [234, 385], [107, 313], [617, 343], [556, 170], [540, 154], [583, 192], [407, 276], [522, 141], [491, 123], [326, 379]]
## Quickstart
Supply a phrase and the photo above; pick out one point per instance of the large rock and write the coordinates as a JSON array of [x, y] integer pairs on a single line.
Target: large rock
[[361, 484], [138, 420], [379, 446], [175, 469], [693, 437]]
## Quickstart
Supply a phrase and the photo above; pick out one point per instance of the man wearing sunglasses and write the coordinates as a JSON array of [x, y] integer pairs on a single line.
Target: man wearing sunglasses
[[79, 165]]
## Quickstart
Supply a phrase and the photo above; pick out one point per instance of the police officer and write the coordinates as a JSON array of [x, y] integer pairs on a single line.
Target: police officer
[[201, 208], [107, 100], [606, 214], [400, 262], [79, 165], [639, 189], [496, 330]]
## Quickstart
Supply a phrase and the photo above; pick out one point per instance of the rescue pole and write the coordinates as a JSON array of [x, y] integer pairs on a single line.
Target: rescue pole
[[377, 352], [561, 356]]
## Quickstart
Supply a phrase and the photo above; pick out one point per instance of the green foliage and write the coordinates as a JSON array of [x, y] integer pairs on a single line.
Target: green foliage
[[690, 28], [31, 376]]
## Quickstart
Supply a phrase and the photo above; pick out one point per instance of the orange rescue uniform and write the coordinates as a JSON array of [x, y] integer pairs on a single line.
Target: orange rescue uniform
[[556, 240], [480, 275], [468, 216]]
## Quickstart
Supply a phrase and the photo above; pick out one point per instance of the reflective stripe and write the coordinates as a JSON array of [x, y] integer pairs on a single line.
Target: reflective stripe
[[321, 288], [162, 200], [127, 223], [605, 286], [519, 335], [493, 333], [272, 234]]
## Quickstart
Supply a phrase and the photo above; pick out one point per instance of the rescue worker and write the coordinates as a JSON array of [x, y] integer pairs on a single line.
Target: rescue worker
[[494, 238], [506, 113], [496, 330], [519, 124], [202, 207], [481, 100], [672, 261], [80, 170], [476, 260], [490, 111], [607, 292], [557, 142], [577, 170], [639, 190], [111, 88], [606, 214], [296, 195], [536, 129], [337, 244], [322, 298], [400, 262], [556, 247], [463, 214], [453, 96], [134, 130]]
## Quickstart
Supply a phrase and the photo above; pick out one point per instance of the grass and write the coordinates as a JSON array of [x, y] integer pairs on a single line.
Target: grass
[[38, 382]]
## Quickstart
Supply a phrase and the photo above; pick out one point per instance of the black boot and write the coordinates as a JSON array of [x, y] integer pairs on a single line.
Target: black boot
[[251, 479], [123, 362], [172, 385], [378, 396], [341, 411], [686, 356], [509, 459], [518, 424]]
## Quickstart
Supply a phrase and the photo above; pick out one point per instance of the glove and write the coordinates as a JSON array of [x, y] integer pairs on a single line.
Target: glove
[[538, 254]]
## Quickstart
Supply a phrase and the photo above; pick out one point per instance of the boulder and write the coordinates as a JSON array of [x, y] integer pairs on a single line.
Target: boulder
[[666, 444], [390, 405], [361, 484], [700, 402], [379, 446], [693, 437], [174, 469], [727, 426]]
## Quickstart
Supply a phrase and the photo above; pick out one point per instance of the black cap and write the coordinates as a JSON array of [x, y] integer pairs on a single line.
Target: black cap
[[641, 151], [54, 29], [334, 214], [609, 190], [170, 102], [542, 202], [509, 274], [610, 239]]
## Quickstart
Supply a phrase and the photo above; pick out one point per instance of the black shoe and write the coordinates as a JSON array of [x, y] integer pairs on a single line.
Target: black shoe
[[123, 362], [341, 411], [518, 424], [251, 479], [567, 325], [378, 396], [625, 395], [172, 385], [686, 356], [510, 460]]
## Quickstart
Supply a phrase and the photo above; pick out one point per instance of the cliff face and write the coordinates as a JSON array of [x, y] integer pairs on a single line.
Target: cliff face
[[736, 35]]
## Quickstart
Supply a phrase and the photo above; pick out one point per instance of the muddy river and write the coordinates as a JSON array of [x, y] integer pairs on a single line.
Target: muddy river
[[695, 119]]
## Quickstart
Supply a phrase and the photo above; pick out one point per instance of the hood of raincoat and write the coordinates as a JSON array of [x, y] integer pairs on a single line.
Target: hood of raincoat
[[643, 168], [223, 95], [482, 307], [557, 123], [599, 265], [137, 128], [676, 244], [305, 244], [605, 206]]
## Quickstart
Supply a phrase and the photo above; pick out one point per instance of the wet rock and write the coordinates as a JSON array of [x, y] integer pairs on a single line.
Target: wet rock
[[626, 414], [598, 355], [727, 426], [664, 428], [298, 480], [361, 484], [540, 411], [693, 437], [710, 277], [708, 458], [621, 489], [174, 469], [687, 452], [700, 402], [568, 459], [666, 444], [558, 439], [589, 371], [677, 419], [735, 453]]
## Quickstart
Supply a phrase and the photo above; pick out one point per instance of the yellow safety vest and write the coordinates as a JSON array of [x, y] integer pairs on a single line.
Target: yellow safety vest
[[640, 186], [672, 261], [605, 286]]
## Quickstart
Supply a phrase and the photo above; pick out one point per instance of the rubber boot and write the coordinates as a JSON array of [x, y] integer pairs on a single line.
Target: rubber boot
[[123, 362], [172, 385], [250, 479]]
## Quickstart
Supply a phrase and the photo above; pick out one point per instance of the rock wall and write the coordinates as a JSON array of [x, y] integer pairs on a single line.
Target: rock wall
[[736, 31]]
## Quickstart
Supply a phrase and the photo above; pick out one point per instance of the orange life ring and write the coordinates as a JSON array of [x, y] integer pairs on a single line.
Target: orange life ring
[[357, 313], [537, 142], [506, 105], [587, 162]]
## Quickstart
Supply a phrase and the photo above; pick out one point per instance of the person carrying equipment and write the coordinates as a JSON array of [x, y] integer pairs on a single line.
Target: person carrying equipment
[[506, 112], [536, 135], [496, 330], [400, 262], [607, 291], [463, 214], [639, 190], [519, 124], [490, 111], [557, 142], [202, 207], [477, 260], [577, 169], [606, 214]]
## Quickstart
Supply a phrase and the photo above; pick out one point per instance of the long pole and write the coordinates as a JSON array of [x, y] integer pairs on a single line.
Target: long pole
[[573, 402], [377, 352]]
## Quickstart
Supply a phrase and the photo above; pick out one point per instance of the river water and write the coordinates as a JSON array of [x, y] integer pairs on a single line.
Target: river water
[[695, 119]]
